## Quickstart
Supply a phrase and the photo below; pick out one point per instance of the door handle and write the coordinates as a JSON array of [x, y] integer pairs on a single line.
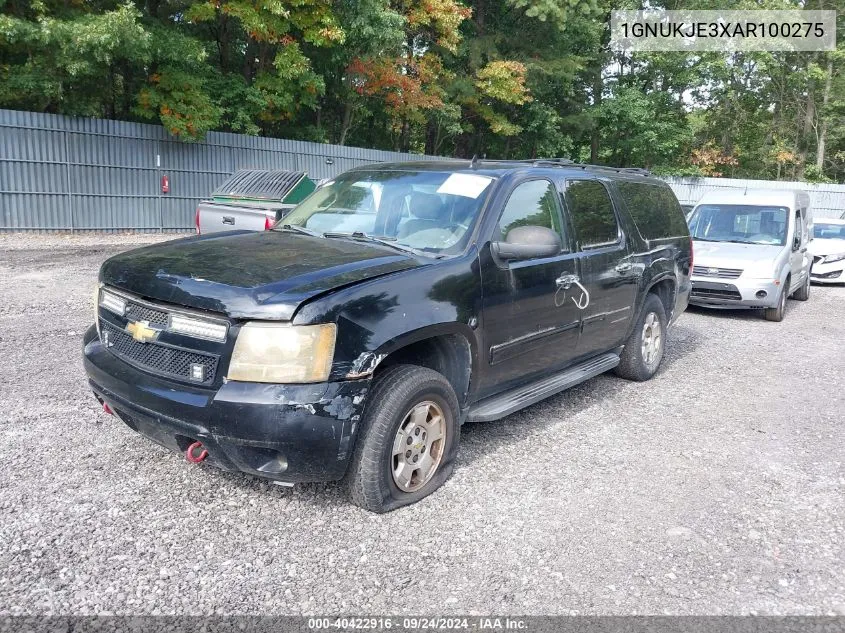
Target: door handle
[[624, 267], [566, 281]]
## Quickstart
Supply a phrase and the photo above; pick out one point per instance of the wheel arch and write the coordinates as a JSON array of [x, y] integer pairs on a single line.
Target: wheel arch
[[666, 288], [451, 352]]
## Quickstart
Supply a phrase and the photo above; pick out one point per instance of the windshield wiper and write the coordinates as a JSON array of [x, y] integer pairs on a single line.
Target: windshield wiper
[[704, 239], [299, 229], [385, 241]]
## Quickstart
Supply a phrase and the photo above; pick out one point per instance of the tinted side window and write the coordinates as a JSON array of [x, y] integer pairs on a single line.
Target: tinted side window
[[592, 212], [654, 209], [531, 203]]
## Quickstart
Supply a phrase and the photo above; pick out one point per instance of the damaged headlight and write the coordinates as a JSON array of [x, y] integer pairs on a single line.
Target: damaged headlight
[[283, 353]]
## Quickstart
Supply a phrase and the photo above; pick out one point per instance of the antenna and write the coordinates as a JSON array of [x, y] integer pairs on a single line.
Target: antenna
[[474, 162]]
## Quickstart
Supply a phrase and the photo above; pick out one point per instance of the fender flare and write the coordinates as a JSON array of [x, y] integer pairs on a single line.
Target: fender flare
[[652, 282]]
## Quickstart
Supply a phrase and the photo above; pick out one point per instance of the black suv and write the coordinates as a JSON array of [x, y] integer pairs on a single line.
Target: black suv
[[394, 304]]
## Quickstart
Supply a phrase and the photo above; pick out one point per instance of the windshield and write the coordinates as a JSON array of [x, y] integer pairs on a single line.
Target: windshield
[[427, 211], [744, 224], [829, 231]]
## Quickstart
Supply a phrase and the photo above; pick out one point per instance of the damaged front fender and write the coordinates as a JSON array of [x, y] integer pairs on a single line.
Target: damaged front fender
[[365, 365]]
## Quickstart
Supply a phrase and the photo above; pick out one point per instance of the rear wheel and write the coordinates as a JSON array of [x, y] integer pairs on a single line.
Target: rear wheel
[[776, 313], [803, 293], [646, 344], [408, 439]]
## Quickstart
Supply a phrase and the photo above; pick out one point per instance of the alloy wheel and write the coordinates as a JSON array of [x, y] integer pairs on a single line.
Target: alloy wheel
[[652, 340], [418, 446]]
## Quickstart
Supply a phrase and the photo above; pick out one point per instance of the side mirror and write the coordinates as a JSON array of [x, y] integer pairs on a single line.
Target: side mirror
[[527, 242], [796, 242]]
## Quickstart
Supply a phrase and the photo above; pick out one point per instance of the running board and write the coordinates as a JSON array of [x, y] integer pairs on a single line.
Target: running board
[[501, 405]]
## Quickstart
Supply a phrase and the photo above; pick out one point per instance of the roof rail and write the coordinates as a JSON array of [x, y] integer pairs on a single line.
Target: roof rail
[[531, 161], [634, 170], [567, 162], [554, 161], [563, 162]]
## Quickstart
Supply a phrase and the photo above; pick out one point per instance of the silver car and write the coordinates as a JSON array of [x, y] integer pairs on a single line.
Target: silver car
[[750, 250]]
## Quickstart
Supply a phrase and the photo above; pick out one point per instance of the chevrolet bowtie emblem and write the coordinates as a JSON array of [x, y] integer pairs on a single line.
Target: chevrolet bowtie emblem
[[141, 331]]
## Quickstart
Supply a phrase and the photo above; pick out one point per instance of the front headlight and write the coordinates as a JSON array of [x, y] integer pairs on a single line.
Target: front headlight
[[112, 302], [833, 258], [97, 307], [282, 353]]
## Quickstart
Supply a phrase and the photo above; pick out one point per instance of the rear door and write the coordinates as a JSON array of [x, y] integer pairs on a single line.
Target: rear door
[[608, 277]]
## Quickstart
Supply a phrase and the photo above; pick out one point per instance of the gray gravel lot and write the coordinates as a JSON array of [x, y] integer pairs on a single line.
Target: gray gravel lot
[[715, 488]]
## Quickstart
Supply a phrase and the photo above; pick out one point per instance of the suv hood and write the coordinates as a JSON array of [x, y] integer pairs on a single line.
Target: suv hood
[[733, 255], [265, 275]]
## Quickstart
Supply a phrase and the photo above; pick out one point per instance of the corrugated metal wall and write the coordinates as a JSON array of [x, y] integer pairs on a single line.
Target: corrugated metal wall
[[64, 173], [827, 201]]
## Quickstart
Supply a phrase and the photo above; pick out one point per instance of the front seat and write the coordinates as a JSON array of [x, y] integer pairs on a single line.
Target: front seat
[[427, 212]]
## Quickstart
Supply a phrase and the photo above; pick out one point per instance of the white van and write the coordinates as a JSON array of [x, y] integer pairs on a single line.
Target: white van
[[751, 249]]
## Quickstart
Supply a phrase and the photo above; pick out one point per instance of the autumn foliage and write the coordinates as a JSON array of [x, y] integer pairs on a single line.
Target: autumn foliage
[[501, 78]]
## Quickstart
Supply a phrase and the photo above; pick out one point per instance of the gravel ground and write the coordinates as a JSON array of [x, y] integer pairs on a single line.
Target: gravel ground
[[715, 488]]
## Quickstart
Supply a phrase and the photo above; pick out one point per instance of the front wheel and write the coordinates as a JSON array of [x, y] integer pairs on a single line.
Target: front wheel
[[776, 313], [408, 440], [646, 344], [803, 293]]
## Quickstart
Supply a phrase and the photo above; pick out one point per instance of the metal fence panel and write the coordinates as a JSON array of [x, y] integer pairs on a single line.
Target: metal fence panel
[[64, 173], [826, 200]]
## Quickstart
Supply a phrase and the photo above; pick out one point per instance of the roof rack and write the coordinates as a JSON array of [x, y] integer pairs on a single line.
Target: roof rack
[[566, 162], [633, 170], [529, 161]]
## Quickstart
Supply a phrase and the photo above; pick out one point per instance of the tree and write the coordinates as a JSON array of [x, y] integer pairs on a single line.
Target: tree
[[496, 78]]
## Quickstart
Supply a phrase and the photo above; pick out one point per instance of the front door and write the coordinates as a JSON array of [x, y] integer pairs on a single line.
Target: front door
[[530, 321], [609, 277], [799, 261]]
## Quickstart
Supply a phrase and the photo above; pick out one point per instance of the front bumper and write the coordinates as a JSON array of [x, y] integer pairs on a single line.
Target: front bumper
[[734, 293], [832, 273], [289, 433]]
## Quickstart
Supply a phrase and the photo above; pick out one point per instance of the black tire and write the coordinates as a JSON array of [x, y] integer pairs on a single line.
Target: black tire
[[803, 293], [776, 313], [632, 364], [395, 392]]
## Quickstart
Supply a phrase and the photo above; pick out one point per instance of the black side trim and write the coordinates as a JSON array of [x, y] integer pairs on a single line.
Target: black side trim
[[517, 346]]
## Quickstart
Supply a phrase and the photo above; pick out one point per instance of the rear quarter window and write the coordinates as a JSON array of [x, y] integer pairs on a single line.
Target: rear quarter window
[[654, 209]]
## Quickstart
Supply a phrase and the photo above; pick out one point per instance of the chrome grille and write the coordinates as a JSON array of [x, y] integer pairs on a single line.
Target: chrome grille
[[158, 358], [138, 312], [721, 273]]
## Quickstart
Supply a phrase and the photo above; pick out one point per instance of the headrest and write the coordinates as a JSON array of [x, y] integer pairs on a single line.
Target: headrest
[[425, 206]]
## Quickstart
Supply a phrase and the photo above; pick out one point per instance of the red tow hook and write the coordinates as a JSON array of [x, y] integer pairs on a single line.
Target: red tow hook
[[192, 456], [107, 409]]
